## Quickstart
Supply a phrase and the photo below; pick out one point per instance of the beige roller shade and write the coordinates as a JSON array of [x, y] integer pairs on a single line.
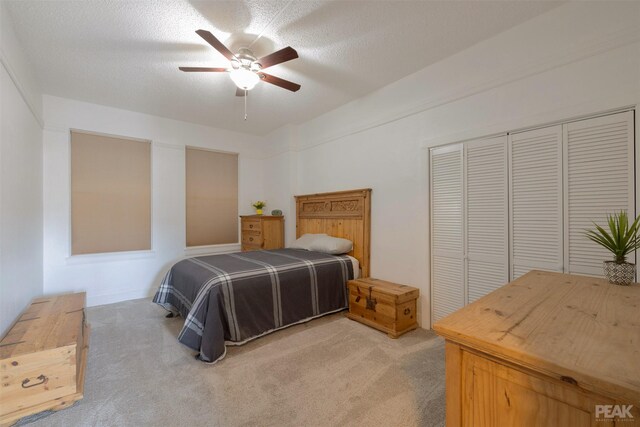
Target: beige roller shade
[[110, 194], [212, 197]]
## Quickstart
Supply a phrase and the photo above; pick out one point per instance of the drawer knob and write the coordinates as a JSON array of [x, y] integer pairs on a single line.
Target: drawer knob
[[42, 379], [250, 225], [251, 239], [407, 311]]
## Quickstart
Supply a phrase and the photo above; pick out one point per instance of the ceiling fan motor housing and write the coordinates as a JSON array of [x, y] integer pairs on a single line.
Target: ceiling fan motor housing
[[246, 59]]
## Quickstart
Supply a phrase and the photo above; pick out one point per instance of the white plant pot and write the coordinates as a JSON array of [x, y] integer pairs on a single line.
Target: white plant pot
[[619, 274]]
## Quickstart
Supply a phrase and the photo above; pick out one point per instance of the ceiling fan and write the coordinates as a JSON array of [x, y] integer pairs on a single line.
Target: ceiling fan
[[246, 70]]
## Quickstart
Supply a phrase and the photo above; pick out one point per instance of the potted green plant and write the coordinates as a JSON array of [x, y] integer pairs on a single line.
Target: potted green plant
[[259, 205], [621, 239]]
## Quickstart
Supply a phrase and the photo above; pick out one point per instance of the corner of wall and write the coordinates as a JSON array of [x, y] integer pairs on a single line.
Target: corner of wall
[[21, 171], [17, 65], [280, 174]]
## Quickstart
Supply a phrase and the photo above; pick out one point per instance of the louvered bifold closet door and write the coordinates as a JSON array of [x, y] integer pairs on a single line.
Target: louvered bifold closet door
[[447, 264], [599, 180], [487, 216], [536, 201]]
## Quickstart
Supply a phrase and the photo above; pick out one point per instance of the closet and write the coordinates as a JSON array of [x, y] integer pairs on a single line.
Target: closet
[[598, 179], [447, 234], [503, 206], [486, 214], [536, 201]]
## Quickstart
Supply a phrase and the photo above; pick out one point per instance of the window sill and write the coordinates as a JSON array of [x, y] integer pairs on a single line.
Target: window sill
[[212, 249], [110, 257]]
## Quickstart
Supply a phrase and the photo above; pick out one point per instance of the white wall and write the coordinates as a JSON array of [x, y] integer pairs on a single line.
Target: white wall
[[119, 276], [281, 176], [20, 180], [579, 59]]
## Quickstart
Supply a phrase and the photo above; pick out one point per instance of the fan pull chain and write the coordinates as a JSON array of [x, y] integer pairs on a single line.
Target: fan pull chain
[[245, 104]]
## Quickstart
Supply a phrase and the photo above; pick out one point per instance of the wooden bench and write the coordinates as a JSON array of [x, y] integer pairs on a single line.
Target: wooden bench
[[43, 358]]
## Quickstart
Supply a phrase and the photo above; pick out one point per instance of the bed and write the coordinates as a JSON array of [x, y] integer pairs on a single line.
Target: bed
[[230, 299]]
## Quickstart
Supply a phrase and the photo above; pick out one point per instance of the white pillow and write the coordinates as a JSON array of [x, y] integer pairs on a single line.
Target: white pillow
[[331, 245], [305, 241]]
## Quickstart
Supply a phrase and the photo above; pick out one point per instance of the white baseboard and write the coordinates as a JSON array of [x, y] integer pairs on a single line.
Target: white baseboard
[[96, 300]]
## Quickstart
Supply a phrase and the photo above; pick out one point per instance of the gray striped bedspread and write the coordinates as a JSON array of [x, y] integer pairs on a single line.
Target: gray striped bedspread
[[234, 298]]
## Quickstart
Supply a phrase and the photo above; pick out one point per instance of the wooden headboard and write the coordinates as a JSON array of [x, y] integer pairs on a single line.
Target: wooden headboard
[[345, 214]]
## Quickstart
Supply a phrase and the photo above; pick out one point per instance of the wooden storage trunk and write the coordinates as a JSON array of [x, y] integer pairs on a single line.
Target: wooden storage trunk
[[386, 306], [43, 357]]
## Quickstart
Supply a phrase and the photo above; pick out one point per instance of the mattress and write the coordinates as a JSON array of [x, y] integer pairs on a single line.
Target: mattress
[[234, 298], [356, 267]]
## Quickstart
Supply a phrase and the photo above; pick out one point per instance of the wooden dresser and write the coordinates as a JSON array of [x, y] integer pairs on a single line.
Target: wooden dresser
[[43, 358], [262, 232], [548, 349]]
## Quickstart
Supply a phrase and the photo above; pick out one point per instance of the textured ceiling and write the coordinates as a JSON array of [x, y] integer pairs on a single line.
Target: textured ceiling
[[126, 54]]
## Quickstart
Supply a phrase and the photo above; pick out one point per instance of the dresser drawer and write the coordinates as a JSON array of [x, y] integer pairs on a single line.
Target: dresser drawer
[[252, 238], [246, 248], [498, 393], [252, 225]]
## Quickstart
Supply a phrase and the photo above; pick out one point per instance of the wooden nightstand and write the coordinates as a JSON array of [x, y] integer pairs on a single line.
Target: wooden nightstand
[[386, 306], [262, 232]]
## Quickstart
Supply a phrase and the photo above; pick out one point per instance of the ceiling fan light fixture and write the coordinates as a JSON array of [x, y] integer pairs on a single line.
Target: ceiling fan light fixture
[[243, 78], [245, 69]]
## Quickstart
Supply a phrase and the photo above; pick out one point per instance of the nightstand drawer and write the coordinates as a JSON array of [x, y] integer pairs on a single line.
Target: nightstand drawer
[[246, 248], [252, 238], [252, 225]]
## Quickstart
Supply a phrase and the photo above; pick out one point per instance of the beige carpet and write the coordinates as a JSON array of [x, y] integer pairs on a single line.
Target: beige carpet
[[328, 372]]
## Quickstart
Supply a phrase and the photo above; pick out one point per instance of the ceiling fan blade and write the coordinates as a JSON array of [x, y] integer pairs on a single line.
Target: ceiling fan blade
[[286, 84], [202, 69], [283, 55], [217, 44], [239, 92]]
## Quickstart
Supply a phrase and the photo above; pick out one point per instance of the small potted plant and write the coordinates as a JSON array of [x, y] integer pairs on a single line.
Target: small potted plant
[[621, 239], [259, 205]]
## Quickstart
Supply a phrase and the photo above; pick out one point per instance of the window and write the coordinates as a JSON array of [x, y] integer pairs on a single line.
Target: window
[[212, 197], [110, 194]]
